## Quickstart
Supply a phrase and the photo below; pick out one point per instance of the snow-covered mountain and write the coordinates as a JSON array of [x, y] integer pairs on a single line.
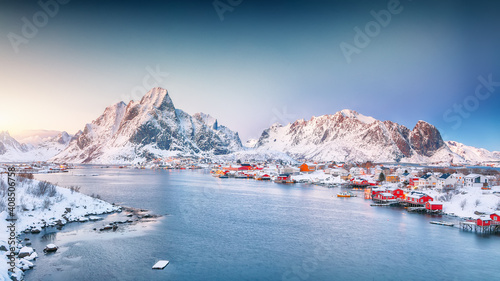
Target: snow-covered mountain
[[9, 145], [350, 136], [35, 137], [473, 154], [148, 129], [42, 149]]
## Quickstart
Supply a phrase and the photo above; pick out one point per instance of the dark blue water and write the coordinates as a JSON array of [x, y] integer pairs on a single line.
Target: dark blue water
[[233, 229]]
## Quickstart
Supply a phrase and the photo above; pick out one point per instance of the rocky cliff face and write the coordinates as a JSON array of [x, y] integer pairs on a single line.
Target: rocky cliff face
[[148, 129], [350, 136]]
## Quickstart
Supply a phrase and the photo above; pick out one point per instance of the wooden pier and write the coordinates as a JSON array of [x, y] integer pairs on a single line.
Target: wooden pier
[[471, 225]]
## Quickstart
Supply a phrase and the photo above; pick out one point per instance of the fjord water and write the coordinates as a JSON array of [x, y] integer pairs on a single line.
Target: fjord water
[[234, 229]]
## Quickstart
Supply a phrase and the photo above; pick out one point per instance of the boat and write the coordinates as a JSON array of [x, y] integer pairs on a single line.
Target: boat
[[223, 176], [345, 194]]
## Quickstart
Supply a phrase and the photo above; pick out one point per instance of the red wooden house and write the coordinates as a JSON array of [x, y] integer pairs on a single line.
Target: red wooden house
[[284, 178], [245, 168], [417, 198], [434, 206], [385, 197], [376, 191], [495, 218], [398, 192], [483, 221]]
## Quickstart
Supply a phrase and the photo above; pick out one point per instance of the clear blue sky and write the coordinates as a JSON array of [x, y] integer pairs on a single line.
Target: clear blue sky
[[265, 62]]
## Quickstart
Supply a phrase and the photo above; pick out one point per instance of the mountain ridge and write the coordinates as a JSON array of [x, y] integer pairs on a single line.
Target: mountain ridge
[[350, 136], [153, 128]]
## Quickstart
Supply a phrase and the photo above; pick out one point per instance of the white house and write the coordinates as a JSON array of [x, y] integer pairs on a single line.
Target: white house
[[427, 181], [459, 177], [446, 181], [475, 180]]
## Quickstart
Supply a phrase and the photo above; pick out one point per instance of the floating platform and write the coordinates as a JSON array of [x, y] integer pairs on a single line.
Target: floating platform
[[160, 264], [385, 204], [442, 223], [416, 209]]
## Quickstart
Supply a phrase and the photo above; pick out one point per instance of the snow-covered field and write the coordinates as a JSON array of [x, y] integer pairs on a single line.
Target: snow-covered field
[[470, 200], [34, 210]]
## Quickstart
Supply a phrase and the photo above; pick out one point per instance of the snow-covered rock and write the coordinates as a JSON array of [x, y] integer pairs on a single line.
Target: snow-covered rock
[[51, 248], [25, 251]]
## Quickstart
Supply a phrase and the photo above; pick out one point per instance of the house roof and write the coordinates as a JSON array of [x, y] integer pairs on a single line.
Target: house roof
[[425, 176], [386, 194], [416, 195], [445, 176]]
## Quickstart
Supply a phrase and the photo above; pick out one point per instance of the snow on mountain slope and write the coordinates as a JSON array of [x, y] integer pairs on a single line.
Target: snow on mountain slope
[[10, 149], [253, 155], [42, 150], [148, 129], [251, 143], [471, 153], [35, 137], [350, 136]]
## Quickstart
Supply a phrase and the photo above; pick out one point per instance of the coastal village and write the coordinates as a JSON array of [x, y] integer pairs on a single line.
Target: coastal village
[[470, 193]]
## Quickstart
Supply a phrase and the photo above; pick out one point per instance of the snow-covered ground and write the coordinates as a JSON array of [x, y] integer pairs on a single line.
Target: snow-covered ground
[[34, 211], [318, 177], [470, 200]]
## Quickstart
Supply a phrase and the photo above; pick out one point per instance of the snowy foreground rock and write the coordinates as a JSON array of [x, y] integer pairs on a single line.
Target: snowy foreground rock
[[35, 211]]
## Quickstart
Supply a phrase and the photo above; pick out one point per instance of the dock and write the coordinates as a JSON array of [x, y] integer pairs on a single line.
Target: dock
[[160, 264], [442, 223], [471, 225], [415, 209], [392, 204]]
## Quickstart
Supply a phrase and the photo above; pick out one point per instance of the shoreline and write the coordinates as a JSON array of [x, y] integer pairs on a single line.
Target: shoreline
[[35, 212], [25, 238]]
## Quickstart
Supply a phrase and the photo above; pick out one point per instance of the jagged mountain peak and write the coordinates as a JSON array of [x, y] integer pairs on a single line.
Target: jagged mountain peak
[[149, 129], [63, 138], [4, 135], [423, 124], [158, 98], [352, 114]]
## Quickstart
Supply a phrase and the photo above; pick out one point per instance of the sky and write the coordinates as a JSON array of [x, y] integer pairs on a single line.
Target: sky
[[253, 63]]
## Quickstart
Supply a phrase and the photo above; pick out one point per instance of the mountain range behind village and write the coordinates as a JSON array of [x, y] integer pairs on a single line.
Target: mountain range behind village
[[153, 128]]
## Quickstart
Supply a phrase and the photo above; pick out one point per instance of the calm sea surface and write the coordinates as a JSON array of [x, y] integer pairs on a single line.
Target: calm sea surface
[[234, 229]]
